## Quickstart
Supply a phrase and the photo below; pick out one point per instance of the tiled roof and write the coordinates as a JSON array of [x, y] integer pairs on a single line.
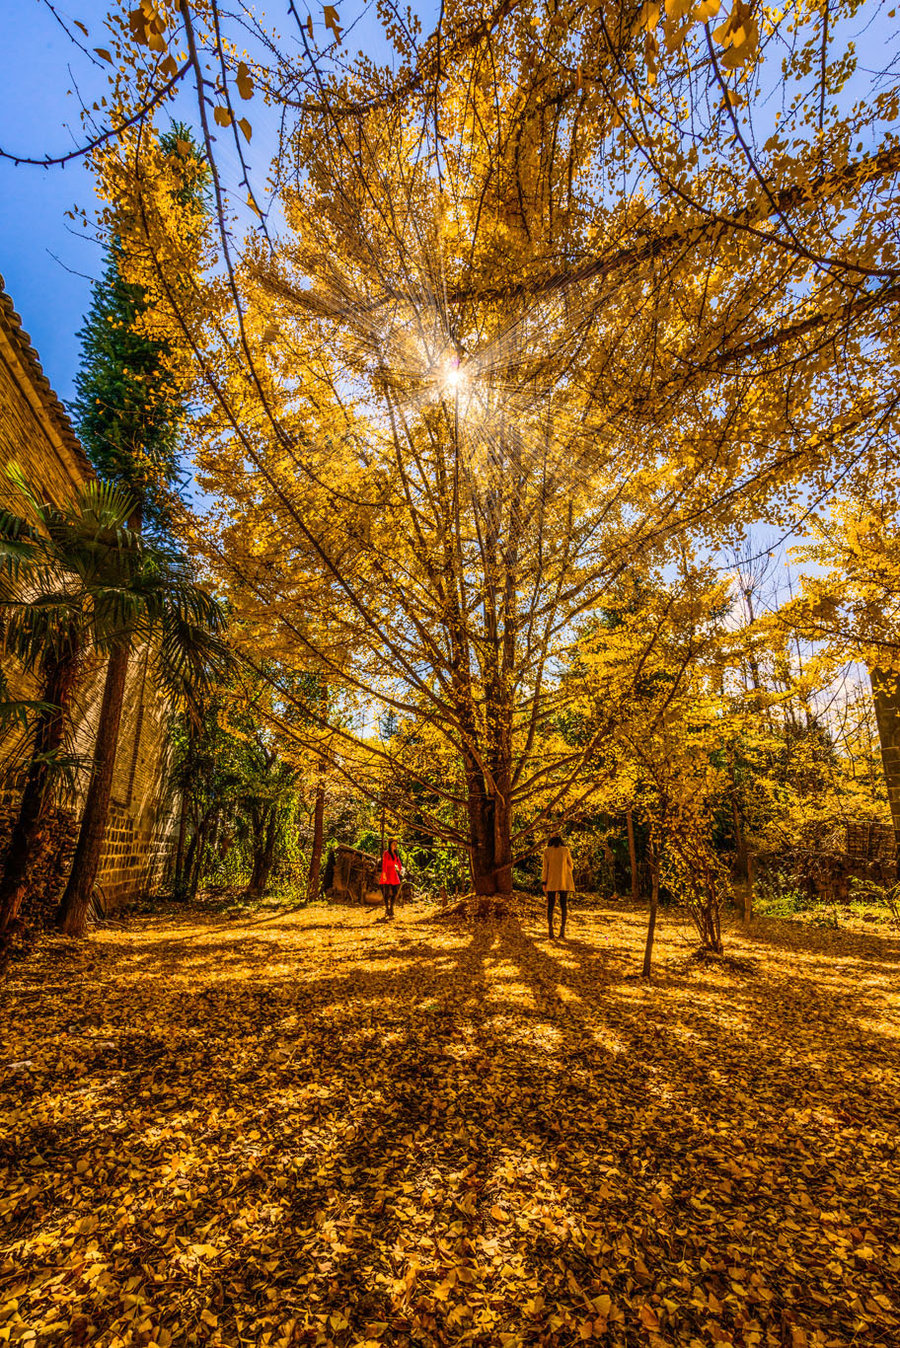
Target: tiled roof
[[21, 343]]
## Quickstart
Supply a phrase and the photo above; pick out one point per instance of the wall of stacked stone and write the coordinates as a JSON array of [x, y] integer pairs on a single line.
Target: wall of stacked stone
[[25, 438], [35, 432], [136, 861]]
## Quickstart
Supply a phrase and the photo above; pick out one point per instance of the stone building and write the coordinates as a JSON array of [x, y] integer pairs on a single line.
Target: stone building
[[36, 433]]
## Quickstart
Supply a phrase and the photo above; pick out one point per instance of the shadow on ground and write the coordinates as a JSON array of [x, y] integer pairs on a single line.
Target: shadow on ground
[[320, 1128]]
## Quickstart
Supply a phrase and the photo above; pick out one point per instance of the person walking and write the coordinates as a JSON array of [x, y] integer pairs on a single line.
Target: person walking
[[391, 875], [557, 879]]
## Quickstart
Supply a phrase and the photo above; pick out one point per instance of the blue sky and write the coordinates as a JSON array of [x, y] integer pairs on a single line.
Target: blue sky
[[46, 265], [33, 111]]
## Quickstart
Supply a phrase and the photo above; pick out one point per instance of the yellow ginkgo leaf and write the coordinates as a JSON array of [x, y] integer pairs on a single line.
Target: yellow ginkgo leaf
[[332, 21], [244, 81]]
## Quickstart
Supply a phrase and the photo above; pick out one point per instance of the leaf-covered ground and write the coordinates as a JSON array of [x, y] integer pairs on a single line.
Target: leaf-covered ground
[[316, 1128]]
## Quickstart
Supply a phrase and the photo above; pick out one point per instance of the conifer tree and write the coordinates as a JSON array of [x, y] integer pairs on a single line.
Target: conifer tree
[[128, 407], [129, 412]]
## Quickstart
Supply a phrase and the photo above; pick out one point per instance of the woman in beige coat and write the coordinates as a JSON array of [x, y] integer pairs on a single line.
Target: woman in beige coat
[[557, 878]]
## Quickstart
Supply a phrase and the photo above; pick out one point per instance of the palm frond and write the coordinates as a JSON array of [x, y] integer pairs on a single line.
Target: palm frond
[[26, 489], [18, 712], [106, 505]]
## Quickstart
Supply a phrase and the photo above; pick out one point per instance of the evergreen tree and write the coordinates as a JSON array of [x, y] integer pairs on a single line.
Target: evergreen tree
[[129, 412], [129, 409]]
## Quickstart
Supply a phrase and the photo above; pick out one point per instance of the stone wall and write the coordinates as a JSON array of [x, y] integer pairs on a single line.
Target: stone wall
[[35, 432], [136, 859]]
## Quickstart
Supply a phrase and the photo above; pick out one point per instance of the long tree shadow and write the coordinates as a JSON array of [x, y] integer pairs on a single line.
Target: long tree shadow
[[335, 1124]]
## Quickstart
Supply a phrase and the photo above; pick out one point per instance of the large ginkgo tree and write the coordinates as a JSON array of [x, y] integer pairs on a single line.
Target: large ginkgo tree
[[567, 295]]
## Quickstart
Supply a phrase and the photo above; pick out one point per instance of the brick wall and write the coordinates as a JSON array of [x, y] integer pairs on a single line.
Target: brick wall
[[36, 433]]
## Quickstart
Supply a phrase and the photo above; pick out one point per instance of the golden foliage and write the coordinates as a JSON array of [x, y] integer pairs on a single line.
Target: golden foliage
[[319, 1129]]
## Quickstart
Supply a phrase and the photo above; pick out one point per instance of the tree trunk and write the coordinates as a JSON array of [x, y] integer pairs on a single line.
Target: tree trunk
[[315, 861], [654, 908], [196, 858], [196, 848], [886, 695], [264, 852], [490, 857], [632, 853], [50, 732], [182, 835], [748, 892], [71, 915], [189, 862]]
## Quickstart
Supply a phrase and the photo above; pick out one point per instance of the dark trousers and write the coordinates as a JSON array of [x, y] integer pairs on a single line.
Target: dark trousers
[[551, 904], [389, 893]]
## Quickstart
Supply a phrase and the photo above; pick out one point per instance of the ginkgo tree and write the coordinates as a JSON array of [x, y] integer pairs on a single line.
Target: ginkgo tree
[[554, 294], [495, 361]]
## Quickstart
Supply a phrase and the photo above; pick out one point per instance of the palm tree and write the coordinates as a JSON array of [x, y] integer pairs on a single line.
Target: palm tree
[[181, 624], [64, 576]]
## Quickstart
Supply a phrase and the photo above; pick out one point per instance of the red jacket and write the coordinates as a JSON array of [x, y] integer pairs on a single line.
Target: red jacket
[[391, 869]]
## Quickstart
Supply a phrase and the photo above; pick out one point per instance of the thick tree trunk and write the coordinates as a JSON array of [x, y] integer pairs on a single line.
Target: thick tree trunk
[[71, 916], [632, 854], [490, 857], [886, 694], [50, 733], [654, 908], [315, 860]]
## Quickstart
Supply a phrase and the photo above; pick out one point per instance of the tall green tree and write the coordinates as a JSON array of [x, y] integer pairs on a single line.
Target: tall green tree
[[129, 408], [129, 412]]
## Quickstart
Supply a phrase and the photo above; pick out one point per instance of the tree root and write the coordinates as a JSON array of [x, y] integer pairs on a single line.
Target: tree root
[[488, 908], [735, 962]]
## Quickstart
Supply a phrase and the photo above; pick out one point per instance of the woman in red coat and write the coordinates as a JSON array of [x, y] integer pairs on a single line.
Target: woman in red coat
[[391, 875]]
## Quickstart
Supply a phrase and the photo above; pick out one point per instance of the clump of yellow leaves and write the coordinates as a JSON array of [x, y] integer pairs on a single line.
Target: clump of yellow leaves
[[737, 36], [147, 25]]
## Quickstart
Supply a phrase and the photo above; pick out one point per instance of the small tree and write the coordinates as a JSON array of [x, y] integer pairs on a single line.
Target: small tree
[[691, 868], [651, 669], [181, 624]]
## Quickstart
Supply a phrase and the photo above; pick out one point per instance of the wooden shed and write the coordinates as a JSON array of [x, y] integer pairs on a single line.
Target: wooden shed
[[353, 876]]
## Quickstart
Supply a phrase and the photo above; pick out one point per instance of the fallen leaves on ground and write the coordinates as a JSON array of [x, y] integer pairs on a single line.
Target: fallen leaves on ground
[[323, 1128]]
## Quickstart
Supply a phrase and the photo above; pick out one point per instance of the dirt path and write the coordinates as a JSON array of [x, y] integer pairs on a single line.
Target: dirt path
[[319, 1129]]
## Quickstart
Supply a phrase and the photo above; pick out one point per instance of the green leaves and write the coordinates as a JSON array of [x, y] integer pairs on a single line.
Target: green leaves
[[79, 573]]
